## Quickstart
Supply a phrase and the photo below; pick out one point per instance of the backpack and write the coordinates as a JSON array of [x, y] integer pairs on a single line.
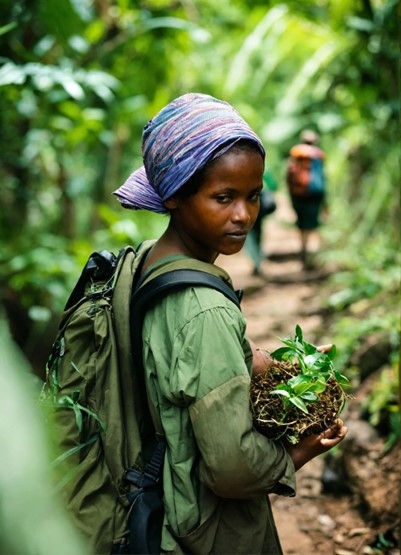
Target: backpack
[[305, 172], [106, 442]]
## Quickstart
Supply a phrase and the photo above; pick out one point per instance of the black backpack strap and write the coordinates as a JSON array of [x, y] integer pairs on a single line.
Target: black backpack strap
[[153, 471], [178, 279], [172, 280]]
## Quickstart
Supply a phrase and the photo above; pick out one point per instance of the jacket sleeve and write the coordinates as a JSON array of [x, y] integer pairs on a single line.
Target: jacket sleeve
[[237, 461], [198, 363]]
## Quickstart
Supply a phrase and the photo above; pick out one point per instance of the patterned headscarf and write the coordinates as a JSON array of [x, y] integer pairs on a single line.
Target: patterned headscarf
[[186, 134]]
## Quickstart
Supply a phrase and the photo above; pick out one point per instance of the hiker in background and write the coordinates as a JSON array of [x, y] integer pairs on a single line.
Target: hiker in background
[[203, 166], [306, 184], [254, 246]]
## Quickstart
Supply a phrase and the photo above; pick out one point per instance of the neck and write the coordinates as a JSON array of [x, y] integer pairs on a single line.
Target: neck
[[173, 242]]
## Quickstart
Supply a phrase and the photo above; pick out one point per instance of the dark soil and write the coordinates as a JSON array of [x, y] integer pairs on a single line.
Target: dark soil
[[273, 419], [347, 502]]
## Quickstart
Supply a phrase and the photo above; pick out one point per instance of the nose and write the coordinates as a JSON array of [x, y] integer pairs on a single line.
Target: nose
[[241, 213]]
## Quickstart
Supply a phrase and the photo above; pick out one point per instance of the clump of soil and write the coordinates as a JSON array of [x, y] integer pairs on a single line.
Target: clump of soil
[[276, 419]]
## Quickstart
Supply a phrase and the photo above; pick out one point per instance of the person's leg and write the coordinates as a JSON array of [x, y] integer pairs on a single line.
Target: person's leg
[[304, 235], [307, 210]]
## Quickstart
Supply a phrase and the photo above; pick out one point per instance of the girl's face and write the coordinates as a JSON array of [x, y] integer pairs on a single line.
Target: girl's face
[[217, 218]]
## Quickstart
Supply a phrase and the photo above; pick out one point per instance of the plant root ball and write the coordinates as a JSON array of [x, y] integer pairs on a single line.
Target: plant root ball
[[274, 419]]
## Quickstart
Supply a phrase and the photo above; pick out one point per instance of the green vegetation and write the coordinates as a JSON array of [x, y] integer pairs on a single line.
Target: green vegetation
[[315, 370], [32, 520], [78, 81], [300, 394]]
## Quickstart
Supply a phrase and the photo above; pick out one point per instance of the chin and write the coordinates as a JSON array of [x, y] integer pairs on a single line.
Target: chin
[[232, 249]]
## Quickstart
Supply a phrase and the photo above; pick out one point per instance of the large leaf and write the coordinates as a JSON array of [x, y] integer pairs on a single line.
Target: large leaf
[[297, 402]]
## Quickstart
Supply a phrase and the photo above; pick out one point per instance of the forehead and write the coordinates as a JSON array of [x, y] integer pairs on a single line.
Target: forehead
[[237, 166], [237, 156]]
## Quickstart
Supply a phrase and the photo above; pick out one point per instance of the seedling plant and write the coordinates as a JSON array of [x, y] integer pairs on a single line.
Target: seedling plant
[[301, 394]]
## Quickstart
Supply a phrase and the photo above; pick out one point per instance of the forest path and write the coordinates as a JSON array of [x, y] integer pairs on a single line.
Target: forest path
[[312, 522]]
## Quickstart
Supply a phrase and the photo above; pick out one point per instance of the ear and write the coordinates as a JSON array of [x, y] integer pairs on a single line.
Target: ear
[[171, 203]]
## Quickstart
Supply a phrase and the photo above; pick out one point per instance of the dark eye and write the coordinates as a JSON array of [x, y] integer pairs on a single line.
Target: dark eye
[[224, 198], [255, 196]]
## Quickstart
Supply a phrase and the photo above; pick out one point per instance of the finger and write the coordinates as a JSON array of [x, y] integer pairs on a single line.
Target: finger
[[330, 441], [333, 431], [326, 442], [325, 348], [330, 433], [336, 425]]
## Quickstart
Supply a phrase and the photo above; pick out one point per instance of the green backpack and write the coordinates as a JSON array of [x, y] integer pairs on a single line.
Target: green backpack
[[105, 442]]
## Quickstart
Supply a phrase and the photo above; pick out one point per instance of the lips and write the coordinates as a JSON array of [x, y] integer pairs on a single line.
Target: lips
[[239, 235]]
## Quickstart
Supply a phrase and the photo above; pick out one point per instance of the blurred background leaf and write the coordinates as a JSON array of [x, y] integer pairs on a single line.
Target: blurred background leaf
[[31, 520]]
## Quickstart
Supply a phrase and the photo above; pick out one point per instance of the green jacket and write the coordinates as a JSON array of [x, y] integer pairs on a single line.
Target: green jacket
[[218, 468]]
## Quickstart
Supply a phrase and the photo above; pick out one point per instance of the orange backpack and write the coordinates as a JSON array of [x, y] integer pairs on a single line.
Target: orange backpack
[[304, 173]]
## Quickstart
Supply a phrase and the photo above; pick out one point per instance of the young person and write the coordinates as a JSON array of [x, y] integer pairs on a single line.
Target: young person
[[203, 165]]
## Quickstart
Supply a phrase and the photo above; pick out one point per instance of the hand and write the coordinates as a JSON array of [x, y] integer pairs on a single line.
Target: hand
[[315, 445], [261, 360]]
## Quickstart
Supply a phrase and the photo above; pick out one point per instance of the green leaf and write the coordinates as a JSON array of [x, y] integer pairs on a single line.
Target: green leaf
[[299, 379], [75, 396], [315, 360], [299, 404], [319, 386], [342, 380], [93, 415], [68, 401], [6, 28], [303, 387], [332, 353], [75, 367], [298, 333], [281, 353], [323, 376], [309, 348], [78, 416], [309, 396], [282, 392], [65, 401], [284, 386], [291, 343], [292, 439], [75, 449]]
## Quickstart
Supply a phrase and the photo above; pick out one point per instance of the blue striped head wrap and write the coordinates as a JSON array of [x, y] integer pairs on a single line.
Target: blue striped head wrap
[[186, 134]]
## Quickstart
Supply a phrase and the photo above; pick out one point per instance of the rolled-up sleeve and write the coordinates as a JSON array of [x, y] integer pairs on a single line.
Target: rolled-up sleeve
[[237, 461]]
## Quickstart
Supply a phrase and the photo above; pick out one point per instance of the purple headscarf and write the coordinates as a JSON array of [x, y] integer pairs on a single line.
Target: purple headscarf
[[186, 134]]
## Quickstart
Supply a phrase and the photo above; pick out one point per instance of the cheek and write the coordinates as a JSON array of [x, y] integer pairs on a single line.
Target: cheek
[[208, 212], [209, 221], [254, 213], [200, 220]]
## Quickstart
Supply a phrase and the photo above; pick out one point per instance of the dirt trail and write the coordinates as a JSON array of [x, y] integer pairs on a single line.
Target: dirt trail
[[312, 522], [285, 296]]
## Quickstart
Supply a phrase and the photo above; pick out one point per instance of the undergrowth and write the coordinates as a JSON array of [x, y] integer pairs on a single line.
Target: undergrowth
[[362, 300]]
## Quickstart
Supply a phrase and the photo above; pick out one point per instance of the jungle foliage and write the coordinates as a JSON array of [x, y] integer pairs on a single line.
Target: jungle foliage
[[80, 78]]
